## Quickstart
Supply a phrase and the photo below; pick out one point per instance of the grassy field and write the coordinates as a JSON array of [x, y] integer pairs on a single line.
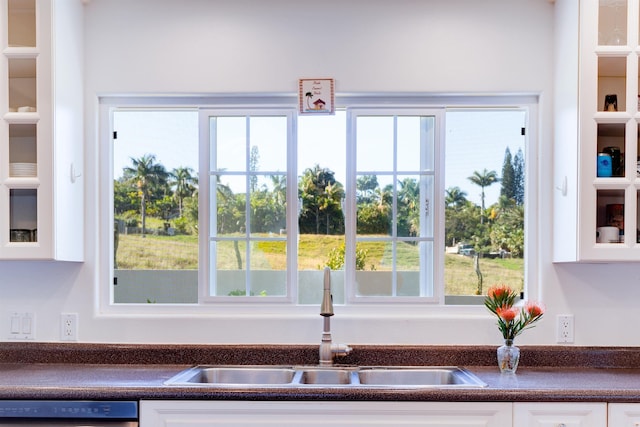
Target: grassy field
[[181, 252]]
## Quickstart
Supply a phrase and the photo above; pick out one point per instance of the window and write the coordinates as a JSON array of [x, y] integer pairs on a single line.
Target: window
[[247, 186], [484, 199], [404, 204], [394, 158]]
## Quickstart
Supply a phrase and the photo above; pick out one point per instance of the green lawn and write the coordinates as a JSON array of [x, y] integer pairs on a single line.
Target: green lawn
[[181, 252]]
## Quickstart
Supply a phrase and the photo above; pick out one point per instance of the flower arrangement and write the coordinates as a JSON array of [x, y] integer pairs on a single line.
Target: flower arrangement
[[511, 320]]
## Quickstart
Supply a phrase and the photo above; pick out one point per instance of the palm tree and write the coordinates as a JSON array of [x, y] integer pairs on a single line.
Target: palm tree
[[147, 176], [455, 197], [225, 201], [483, 179], [184, 184], [313, 183], [279, 183], [408, 207], [330, 200]]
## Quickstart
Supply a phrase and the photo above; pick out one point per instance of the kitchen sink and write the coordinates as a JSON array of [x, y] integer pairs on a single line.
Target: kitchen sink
[[239, 375], [327, 376], [390, 377], [416, 376]]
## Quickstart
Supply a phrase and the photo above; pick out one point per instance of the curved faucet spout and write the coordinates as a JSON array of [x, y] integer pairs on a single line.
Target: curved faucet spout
[[327, 349]]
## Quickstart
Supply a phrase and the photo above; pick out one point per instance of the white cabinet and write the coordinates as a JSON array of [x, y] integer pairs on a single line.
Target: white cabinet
[[596, 131], [624, 414], [41, 130], [322, 414], [560, 415]]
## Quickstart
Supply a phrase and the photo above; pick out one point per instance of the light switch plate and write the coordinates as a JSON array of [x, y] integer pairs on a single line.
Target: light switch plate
[[22, 326]]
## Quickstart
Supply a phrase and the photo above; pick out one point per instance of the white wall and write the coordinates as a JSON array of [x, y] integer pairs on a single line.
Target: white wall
[[228, 46]]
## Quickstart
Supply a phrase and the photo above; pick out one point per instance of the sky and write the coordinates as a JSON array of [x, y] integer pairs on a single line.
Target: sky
[[474, 141]]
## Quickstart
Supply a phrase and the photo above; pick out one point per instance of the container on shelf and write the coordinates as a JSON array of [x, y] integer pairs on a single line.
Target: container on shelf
[[611, 102], [20, 235], [608, 235], [605, 167], [615, 215], [617, 161]]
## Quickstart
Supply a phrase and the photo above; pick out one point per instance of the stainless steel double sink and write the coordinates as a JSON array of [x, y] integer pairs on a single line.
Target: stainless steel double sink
[[266, 376]]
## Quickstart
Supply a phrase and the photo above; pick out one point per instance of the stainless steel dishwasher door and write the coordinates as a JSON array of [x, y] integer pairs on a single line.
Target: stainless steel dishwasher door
[[68, 413]]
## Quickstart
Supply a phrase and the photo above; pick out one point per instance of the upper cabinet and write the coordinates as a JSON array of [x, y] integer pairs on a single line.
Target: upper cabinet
[[596, 107], [41, 130]]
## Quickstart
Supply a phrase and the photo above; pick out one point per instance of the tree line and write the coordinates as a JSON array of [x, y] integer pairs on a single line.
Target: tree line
[[146, 188], [496, 227]]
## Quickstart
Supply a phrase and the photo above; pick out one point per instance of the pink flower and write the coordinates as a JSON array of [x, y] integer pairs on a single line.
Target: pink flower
[[498, 291], [507, 313], [534, 309]]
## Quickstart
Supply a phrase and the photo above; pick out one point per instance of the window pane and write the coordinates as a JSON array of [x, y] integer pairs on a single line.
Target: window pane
[[374, 204], [268, 267], [409, 196], [268, 144], [268, 204], [228, 199], [230, 266], [155, 159], [375, 142], [484, 197], [412, 156], [231, 144]]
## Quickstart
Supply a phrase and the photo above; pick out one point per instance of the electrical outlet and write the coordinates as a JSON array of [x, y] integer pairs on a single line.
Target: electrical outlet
[[564, 328], [69, 326]]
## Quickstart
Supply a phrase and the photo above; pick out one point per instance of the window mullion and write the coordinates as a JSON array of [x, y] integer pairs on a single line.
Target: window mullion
[[394, 246], [247, 207], [350, 207], [293, 207]]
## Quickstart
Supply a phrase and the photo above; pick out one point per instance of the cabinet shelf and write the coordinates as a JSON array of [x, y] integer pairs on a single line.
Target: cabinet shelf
[[21, 52], [22, 183], [611, 117], [19, 117]]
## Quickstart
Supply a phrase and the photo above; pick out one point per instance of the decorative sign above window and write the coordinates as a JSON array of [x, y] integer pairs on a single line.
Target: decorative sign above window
[[316, 96]]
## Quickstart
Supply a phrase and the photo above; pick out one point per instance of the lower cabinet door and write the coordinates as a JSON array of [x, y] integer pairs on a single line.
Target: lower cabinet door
[[560, 415], [624, 414], [155, 413]]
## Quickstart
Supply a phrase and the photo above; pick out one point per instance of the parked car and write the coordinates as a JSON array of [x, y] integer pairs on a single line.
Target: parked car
[[466, 250]]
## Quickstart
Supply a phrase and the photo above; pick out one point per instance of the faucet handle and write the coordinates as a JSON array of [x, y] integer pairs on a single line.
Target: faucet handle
[[340, 349]]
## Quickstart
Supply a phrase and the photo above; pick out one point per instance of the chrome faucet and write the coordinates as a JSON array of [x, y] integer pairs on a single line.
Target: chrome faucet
[[327, 349]]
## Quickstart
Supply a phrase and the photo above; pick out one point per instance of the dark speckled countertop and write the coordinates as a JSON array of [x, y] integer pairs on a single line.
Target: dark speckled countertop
[[106, 371]]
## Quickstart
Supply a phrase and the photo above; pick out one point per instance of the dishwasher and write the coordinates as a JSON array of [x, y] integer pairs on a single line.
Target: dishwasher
[[68, 413]]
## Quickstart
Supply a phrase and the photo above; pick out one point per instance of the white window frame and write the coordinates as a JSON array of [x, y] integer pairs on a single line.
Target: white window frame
[[437, 239], [206, 211], [456, 306]]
